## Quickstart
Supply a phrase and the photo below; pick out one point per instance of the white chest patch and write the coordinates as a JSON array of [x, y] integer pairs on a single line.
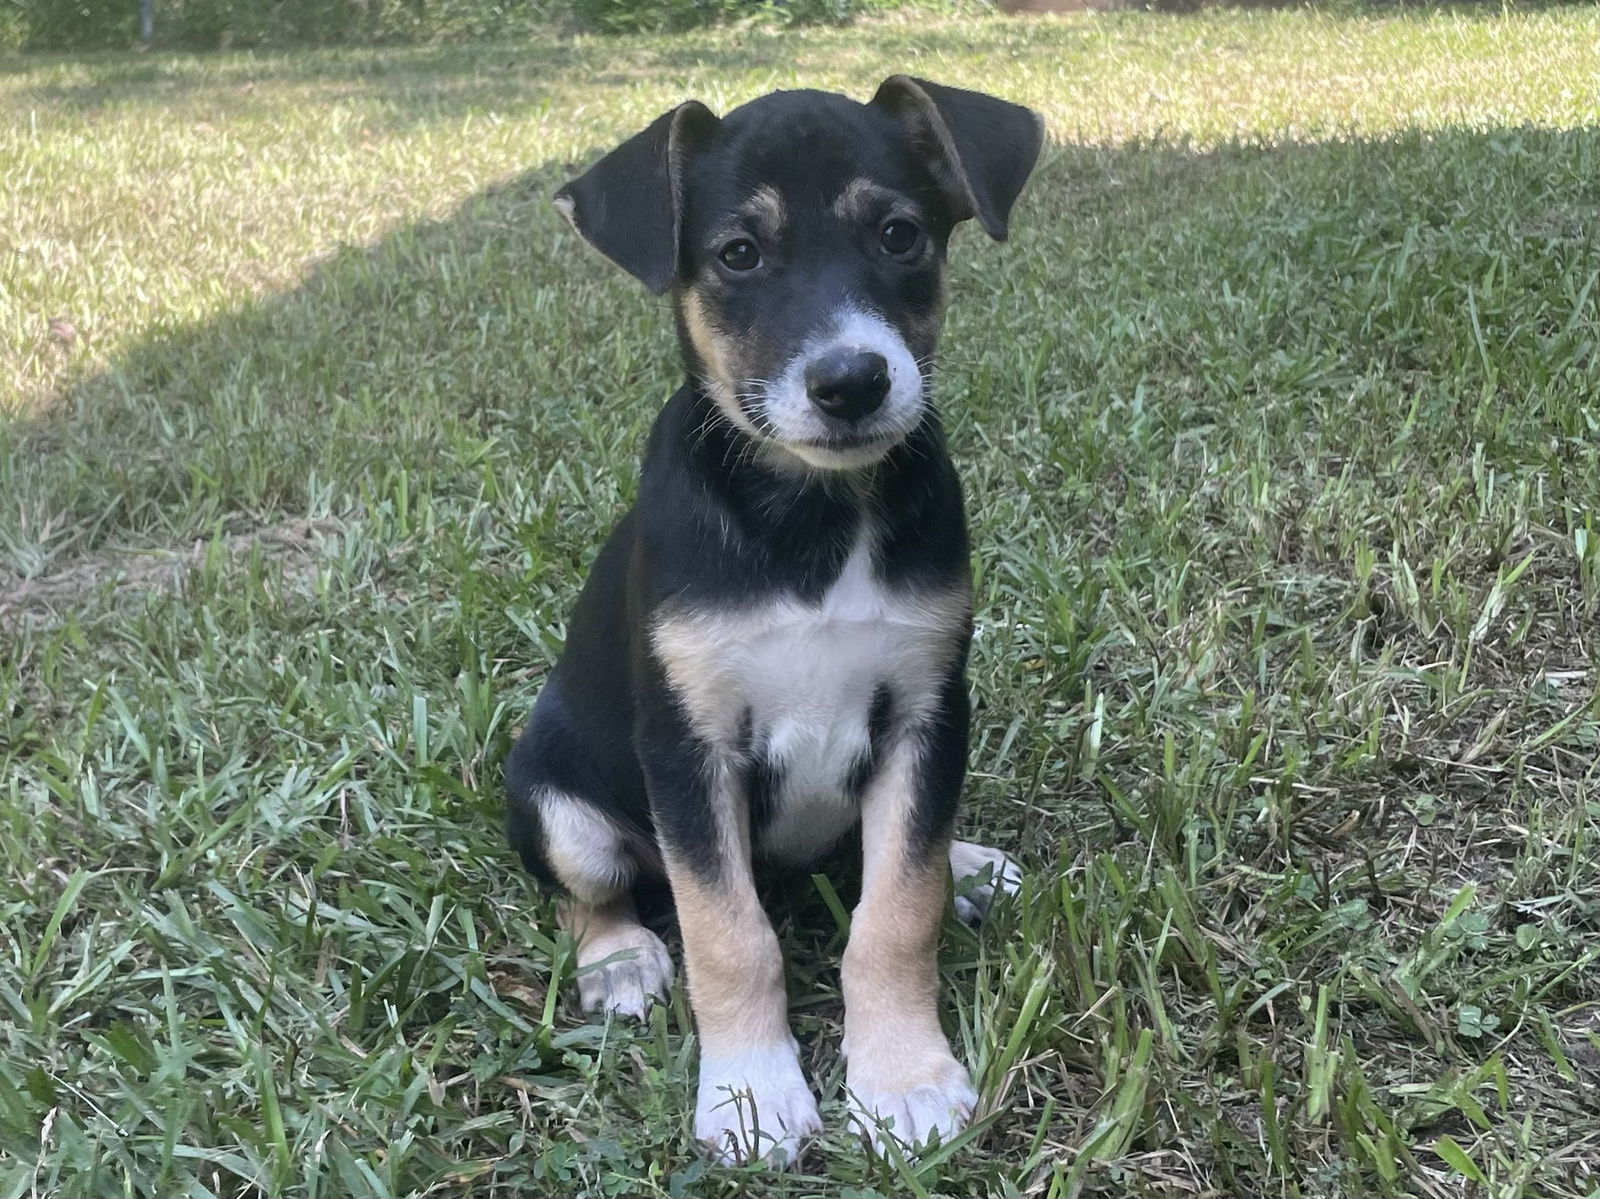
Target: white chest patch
[[805, 675]]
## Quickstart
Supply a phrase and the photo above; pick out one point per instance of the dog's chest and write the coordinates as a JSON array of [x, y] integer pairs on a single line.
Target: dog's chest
[[793, 690]]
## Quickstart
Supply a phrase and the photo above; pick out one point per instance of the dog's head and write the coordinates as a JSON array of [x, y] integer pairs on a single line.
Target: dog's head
[[803, 238]]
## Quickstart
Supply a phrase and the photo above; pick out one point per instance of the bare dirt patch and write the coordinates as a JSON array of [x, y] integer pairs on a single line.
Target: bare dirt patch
[[130, 572]]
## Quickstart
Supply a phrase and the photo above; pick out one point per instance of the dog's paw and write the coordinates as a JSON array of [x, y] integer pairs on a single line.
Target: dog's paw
[[755, 1106], [622, 971], [1001, 876], [910, 1101]]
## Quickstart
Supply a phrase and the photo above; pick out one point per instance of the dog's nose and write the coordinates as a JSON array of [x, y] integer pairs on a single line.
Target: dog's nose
[[848, 384]]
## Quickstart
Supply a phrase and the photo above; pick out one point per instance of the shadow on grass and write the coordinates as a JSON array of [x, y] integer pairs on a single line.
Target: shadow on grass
[[496, 321], [1453, 266], [498, 309], [1416, 310], [382, 360]]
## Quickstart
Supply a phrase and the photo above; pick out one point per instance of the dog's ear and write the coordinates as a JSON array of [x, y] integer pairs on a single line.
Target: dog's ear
[[981, 148], [628, 205]]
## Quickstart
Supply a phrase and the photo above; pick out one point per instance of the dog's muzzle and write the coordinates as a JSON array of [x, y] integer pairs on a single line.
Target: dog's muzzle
[[849, 395]]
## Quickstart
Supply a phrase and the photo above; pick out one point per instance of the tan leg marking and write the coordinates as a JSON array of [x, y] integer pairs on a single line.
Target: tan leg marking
[[753, 1101], [622, 966], [900, 1064]]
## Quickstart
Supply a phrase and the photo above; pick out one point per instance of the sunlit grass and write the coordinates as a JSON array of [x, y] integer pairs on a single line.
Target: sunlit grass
[[1278, 417]]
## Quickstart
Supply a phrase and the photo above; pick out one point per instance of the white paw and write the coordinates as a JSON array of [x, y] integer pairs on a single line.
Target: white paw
[[622, 971], [755, 1105], [968, 860], [911, 1101]]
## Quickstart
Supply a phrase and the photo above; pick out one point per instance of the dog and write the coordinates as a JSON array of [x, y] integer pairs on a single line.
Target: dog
[[770, 649]]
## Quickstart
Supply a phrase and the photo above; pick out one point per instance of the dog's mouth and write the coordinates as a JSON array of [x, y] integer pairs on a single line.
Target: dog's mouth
[[843, 450], [881, 439]]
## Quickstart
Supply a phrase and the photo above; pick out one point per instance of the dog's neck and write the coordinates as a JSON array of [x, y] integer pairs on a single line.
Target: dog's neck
[[801, 522]]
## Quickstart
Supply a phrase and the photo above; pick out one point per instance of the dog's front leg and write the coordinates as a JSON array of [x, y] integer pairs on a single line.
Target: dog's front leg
[[900, 1067], [753, 1100]]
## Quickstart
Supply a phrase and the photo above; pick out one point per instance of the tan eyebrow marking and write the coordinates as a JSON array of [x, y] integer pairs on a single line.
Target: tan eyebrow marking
[[860, 197], [765, 207]]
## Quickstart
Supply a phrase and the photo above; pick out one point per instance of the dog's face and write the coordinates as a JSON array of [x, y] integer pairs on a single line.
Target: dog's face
[[811, 263], [803, 237]]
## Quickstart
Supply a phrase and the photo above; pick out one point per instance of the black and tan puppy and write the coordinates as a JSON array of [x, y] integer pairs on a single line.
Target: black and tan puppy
[[771, 648]]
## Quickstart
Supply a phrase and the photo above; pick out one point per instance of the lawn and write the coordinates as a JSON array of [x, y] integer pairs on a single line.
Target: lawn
[[1279, 416]]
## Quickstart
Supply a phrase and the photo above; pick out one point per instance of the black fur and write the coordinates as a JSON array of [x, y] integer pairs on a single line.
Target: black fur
[[718, 523], [606, 712]]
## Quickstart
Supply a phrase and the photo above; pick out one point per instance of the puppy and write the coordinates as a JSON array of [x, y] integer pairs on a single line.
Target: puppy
[[770, 650]]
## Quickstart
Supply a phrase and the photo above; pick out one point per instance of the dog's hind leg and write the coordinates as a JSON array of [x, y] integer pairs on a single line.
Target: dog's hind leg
[[622, 966], [996, 874]]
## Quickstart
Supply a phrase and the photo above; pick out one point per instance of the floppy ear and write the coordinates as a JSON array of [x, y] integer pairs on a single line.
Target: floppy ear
[[981, 148], [629, 203]]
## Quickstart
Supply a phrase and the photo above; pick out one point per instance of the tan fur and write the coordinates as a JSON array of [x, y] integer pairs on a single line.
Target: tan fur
[[900, 1067], [765, 207], [717, 353], [860, 199], [859, 202], [591, 924], [890, 970], [730, 952], [928, 127], [752, 1099], [707, 341], [734, 966]]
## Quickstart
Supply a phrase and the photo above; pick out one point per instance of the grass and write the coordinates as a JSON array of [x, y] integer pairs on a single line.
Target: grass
[[1279, 417]]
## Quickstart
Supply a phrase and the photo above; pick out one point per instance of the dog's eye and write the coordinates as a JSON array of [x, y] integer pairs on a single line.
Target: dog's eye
[[740, 255], [900, 237]]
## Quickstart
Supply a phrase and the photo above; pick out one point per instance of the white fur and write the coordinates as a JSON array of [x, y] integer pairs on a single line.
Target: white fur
[[622, 970], [941, 1103], [807, 674], [585, 850], [755, 1105], [969, 860], [795, 420]]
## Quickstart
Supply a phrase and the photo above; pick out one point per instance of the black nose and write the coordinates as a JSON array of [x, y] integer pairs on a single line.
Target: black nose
[[848, 384]]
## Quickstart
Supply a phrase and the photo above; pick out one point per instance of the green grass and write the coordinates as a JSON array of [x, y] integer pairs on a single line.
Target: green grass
[[1279, 417]]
